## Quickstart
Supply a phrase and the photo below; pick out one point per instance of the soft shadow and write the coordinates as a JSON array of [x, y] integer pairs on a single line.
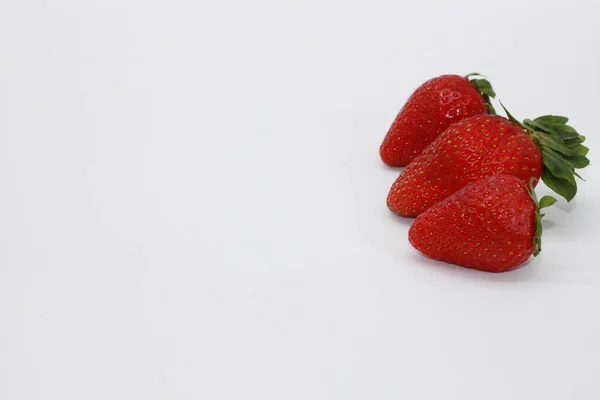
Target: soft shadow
[[548, 224], [403, 221], [388, 168], [529, 271], [566, 207]]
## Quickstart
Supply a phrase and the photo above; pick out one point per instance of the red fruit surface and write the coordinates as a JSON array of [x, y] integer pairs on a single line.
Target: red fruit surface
[[432, 108], [488, 225], [467, 151]]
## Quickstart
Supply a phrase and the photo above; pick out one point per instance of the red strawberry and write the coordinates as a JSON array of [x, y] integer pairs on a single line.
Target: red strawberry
[[431, 109], [489, 145], [492, 225]]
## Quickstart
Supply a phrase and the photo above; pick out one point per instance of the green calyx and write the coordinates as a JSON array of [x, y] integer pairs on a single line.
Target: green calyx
[[484, 87], [544, 202], [562, 151]]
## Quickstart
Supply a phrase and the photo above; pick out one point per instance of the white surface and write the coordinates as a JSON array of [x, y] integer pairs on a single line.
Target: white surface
[[192, 204]]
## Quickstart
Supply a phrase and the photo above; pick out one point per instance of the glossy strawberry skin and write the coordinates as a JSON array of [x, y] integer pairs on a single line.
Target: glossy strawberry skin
[[432, 108], [488, 225], [471, 149]]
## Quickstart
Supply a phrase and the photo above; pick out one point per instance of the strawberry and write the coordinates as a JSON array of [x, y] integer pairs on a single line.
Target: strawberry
[[493, 224], [489, 145], [431, 109]]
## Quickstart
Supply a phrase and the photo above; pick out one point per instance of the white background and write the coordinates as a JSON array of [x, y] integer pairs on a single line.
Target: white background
[[192, 205]]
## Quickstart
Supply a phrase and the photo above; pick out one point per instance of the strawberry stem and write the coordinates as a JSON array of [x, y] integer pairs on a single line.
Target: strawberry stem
[[545, 201]]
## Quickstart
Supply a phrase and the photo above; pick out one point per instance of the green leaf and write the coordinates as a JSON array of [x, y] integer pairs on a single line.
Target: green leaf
[[552, 119], [548, 128], [484, 87], [487, 91], [574, 143], [510, 117], [546, 201], [562, 152], [558, 166], [566, 132], [555, 137], [561, 186], [579, 161], [552, 141], [482, 83], [490, 107], [581, 150]]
